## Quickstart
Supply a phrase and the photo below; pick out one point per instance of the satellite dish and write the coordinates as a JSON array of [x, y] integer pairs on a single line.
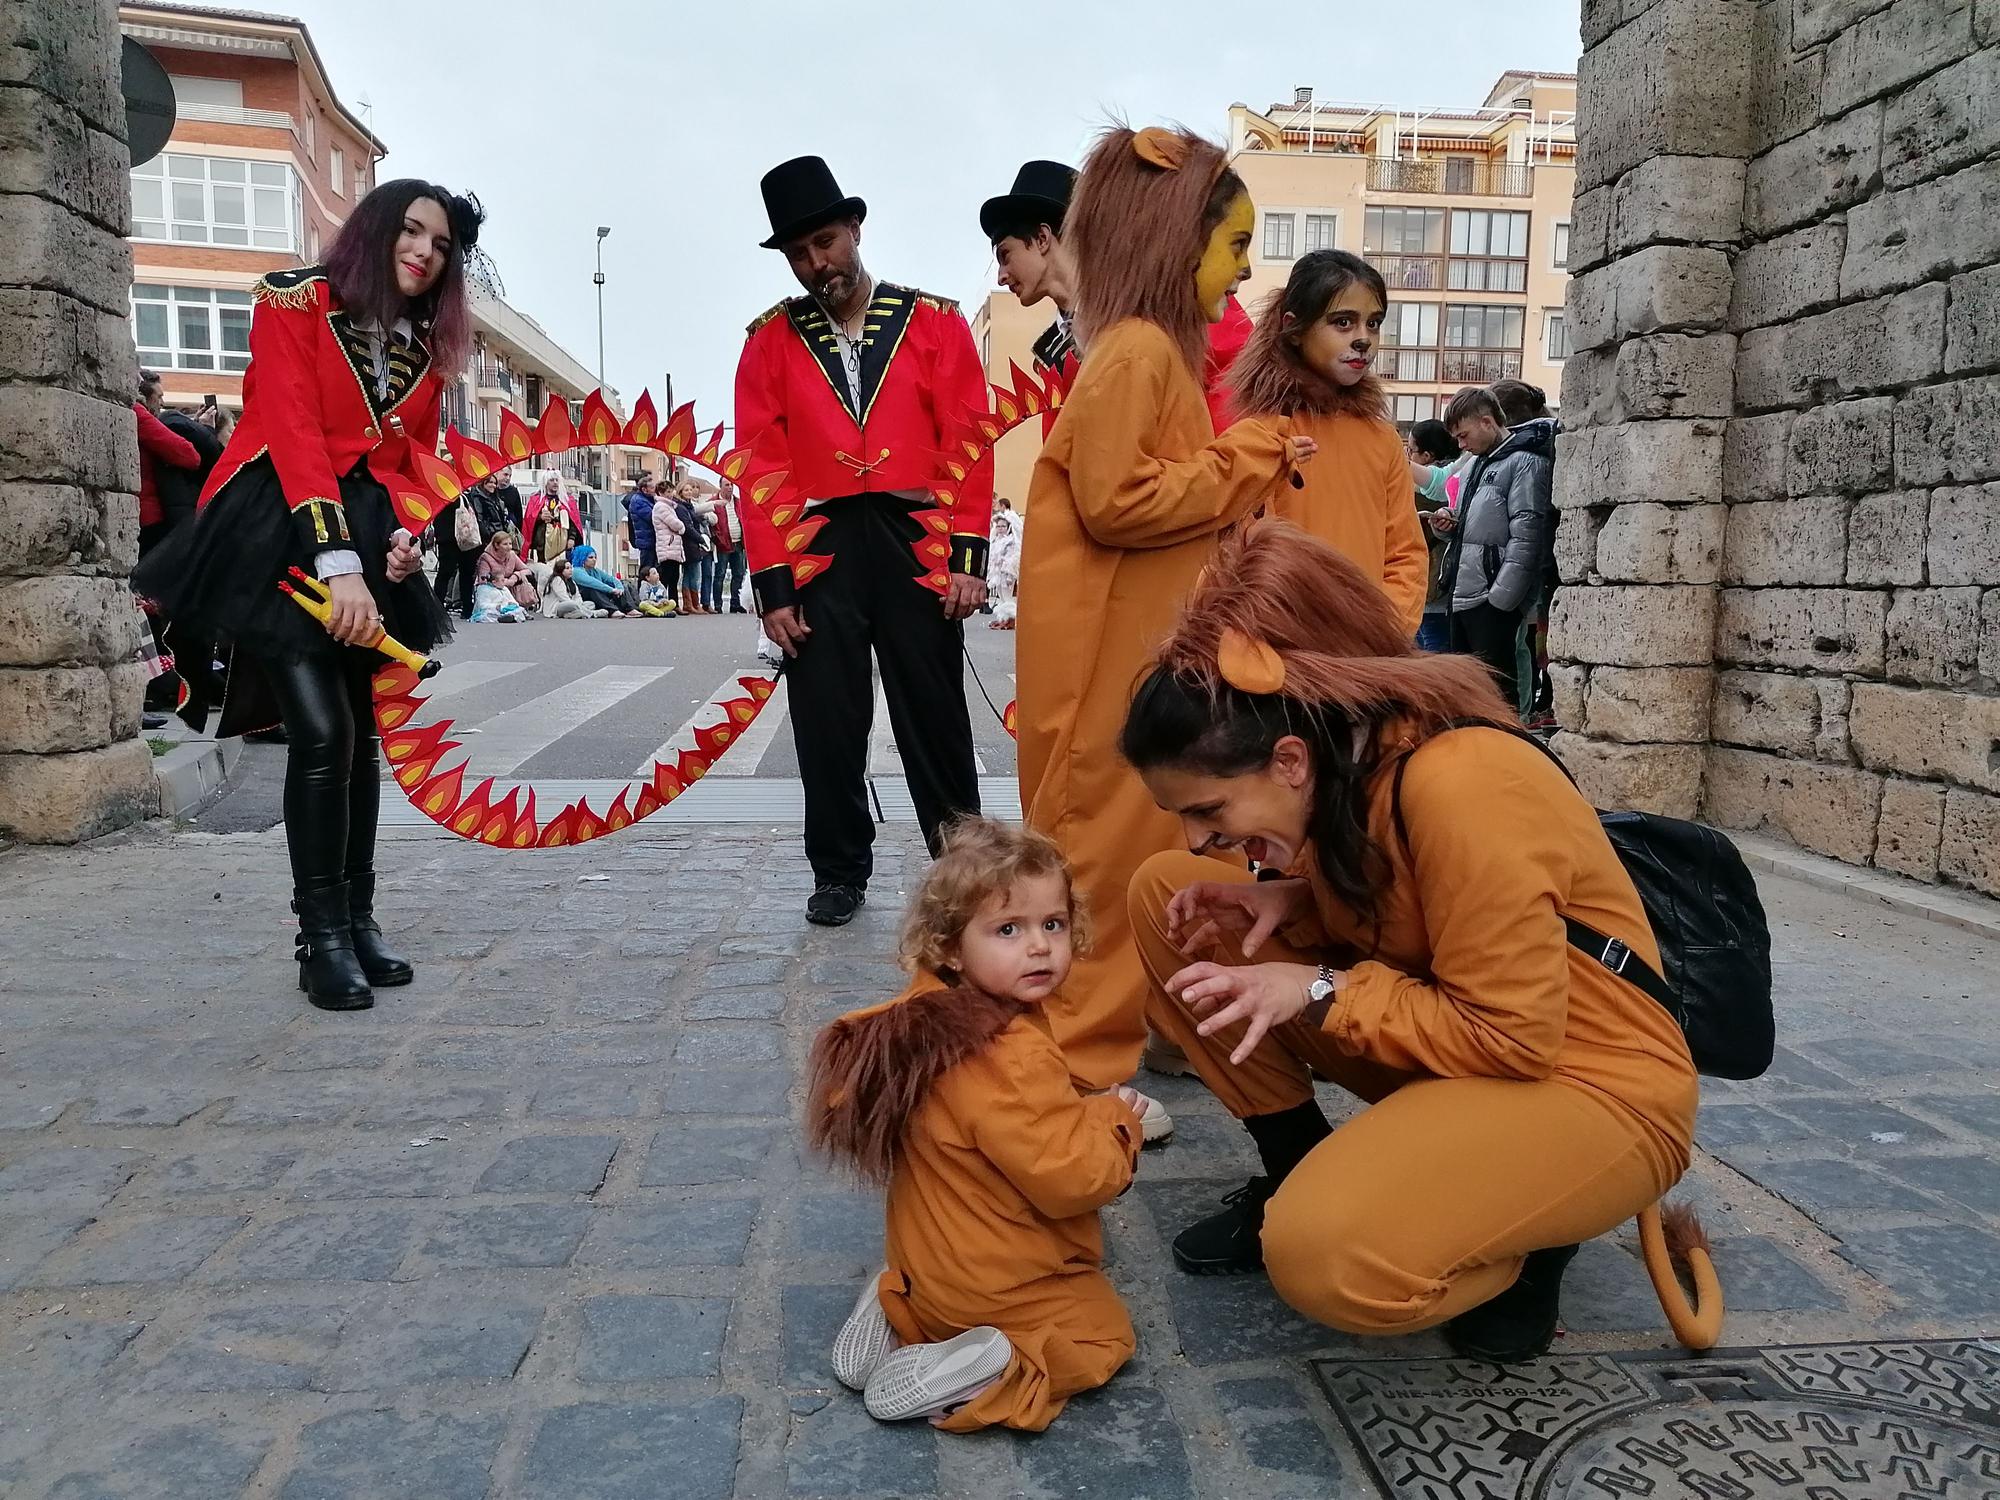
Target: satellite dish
[[149, 102]]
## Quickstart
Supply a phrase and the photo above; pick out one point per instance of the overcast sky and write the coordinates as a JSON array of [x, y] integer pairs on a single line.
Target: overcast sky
[[658, 120]]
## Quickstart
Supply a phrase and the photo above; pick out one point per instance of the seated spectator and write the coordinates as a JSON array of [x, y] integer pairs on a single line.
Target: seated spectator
[[560, 599], [600, 588], [502, 566], [654, 600], [493, 605]]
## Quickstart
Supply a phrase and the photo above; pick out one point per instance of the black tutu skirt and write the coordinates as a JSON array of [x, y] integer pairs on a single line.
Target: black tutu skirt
[[216, 580]]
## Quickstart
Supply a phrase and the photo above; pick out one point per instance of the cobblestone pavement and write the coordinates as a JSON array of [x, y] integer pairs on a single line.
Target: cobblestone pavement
[[539, 1226]]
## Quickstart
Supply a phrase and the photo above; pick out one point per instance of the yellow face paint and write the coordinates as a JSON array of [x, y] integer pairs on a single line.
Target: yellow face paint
[[1226, 260]]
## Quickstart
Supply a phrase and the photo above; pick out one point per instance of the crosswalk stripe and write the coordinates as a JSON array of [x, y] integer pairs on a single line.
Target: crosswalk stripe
[[884, 759], [464, 676], [747, 754], [511, 739], [739, 759]]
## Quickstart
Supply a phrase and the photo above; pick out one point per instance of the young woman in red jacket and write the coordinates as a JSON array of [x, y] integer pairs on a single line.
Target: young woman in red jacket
[[343, 387]]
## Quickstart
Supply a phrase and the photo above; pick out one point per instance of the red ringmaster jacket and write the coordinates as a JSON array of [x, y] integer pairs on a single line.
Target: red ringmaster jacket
[[158, 444], [921, 385], [309, 402]]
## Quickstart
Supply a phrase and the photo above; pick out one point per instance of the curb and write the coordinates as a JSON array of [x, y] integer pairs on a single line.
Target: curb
[[1968, 913], [194, 774]]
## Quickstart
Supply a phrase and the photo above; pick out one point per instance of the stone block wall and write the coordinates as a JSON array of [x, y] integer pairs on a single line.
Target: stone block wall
[[71, 764], [1780, 484]]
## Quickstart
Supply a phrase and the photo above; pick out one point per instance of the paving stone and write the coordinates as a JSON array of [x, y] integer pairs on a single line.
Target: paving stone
[[1271, 1422], [519, 1234], [385, 1171], [222, 1169], [839, 1226], [622, 1008], [869, 977], [1977, 1112], [592, 1099], [1872, 1057], [646, 1047], [321, 1053], [411, 1340], [1971, 1180], [57, 1355], [693, 1232], [652, 1338], [760, 1003], [1862, 1124], [66, 1179], [297, 1101], [729, 1091], [509, 1052], [501, 1009], [1205, 1145], [407, 1103], [1789, 1073], [1759, 1276], [173, 1463], [654, 944], [839, 1449], [32, 1106], [1225, 1318], [136, 1102], [766, 945], [1605, 1289], [1745, 1125], [550, 1164], [729, 1044], [1123, 1437], [1835, 1189], [1942, 1269], [602, 1451], [163, 1248], [812, 1315], [436, 1456], [732, 973], [25, 1241], [352, 1245], [250, 1347], [692, 1155]]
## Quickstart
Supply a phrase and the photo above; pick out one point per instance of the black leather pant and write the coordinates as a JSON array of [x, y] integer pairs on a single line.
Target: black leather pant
[[333, 787]]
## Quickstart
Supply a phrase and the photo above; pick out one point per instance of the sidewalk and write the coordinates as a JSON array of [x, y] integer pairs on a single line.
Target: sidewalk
[[538, 1226]]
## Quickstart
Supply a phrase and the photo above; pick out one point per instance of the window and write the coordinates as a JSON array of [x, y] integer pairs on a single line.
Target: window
[[215, 200], [1319, 232], [1559, 256], [1496, 246], [336, 170], [309, 130], [225, 92], [313, 254], [191, 327], [1412, 409], [360, 180], [1278, 232], [1461, 174], [1403, 231], [1410, 324], [1482, 344], [1555, 336]]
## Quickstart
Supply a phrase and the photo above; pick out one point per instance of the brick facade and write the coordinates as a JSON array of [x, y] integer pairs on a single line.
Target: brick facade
[[1780, 491]]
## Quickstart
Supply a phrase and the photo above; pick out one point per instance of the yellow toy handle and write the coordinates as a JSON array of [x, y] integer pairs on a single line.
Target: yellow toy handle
[[317, 601]]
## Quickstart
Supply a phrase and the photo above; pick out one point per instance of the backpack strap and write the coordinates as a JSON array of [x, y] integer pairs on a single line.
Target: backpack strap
[[1611, 952]]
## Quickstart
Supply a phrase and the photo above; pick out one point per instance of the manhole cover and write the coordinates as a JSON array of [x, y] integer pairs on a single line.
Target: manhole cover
[[1815, 1422]]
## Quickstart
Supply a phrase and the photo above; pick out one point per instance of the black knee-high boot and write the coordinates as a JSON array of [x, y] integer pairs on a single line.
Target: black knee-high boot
[[319, 724], [382, 964], [1230, 1243]]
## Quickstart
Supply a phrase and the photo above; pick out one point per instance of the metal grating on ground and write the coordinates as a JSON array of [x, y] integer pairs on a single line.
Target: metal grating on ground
[[1820, 1422], [722, 799]]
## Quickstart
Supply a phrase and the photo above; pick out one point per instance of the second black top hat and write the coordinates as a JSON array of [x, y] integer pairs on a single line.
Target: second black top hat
[[1040, 195]]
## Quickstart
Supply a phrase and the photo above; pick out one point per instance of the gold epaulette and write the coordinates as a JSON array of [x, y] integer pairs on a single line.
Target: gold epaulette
[[936, 303], [764, 317], [291, 289]]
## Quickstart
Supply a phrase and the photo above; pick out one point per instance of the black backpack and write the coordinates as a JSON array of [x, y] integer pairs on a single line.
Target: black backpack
[[1702, 904]]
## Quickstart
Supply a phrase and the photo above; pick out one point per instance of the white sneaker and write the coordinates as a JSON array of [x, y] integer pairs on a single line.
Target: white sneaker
[[1155, 1124], [928, 1380], [864, 1339]]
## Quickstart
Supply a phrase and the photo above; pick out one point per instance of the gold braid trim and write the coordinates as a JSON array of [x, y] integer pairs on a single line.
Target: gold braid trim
[[317, 507], [280, 290]]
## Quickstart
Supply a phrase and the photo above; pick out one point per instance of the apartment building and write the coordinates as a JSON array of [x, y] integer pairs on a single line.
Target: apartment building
[[1465, 211]]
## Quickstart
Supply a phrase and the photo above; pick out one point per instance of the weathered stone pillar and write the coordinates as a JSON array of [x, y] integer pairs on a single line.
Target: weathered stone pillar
[[70, 688]]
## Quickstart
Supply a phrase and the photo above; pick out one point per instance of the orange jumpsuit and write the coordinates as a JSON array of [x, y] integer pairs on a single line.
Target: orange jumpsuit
[[1129, 495], [1523, 1096], [992, 1208], [1359, 500]]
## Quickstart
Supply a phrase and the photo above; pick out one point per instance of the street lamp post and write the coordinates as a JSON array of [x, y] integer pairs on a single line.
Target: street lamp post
[[604, 456]]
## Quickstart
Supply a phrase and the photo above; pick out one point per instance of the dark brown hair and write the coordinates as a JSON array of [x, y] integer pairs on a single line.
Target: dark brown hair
[[1348, 664], [1271, 378], [1473, 401], [361, 267], [1520, 402], [1138, 231]]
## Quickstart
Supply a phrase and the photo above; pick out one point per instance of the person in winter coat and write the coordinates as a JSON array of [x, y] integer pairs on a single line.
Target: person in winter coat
[[994, 1308], [1503, 525], [560, 600], [670, 543]]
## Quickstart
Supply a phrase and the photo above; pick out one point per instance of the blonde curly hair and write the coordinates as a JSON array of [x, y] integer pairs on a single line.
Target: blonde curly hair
[[979, 859]]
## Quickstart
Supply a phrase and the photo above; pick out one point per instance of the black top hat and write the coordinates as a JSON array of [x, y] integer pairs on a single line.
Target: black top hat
[[800, 195], [1040, 196]]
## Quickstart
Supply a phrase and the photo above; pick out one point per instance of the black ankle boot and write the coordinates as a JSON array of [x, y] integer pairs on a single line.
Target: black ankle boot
[[1230, 1243], [329, 971], [379, 962], [1520, 1323]]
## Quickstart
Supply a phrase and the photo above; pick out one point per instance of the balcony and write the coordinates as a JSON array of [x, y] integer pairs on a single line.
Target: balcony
[[493, 379], [1479, 366], [1408, 364], [1458, 175], [235, 114], [1410, 273]]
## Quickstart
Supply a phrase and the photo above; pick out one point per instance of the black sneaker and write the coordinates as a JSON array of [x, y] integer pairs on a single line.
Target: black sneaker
[[1520, 1323], [151, 720], [1230, 1243], [835, 905]]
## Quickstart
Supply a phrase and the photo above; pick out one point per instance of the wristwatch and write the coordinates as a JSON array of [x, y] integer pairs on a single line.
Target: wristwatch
[[1319, 995]]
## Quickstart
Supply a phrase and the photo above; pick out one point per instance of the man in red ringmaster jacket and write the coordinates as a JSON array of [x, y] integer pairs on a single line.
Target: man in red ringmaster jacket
[[859, 389]]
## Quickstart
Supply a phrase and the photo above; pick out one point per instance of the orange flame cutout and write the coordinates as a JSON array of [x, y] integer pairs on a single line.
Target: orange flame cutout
[[394, 713], [1010, 718], [645, 423], [525, 832], [783, 515], [805, 569], [649, 803], [517, 441], [473, 459], [937, 583], [693, 766], [667, 781], [740, 710], [620, 816], [559, 830], [732, 464], [598, 426], [557, 433], [800, 536], [937, 521], [1008, 408], [394, 681], [712, 449], [936, 550], [436, 475], [680, 434], [470, 815], [765, 485], [438, 796], [713, 740], [759, 688], [588, 825]]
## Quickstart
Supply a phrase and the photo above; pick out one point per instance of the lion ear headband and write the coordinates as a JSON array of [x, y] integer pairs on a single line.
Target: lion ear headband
[[1249, 665]]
